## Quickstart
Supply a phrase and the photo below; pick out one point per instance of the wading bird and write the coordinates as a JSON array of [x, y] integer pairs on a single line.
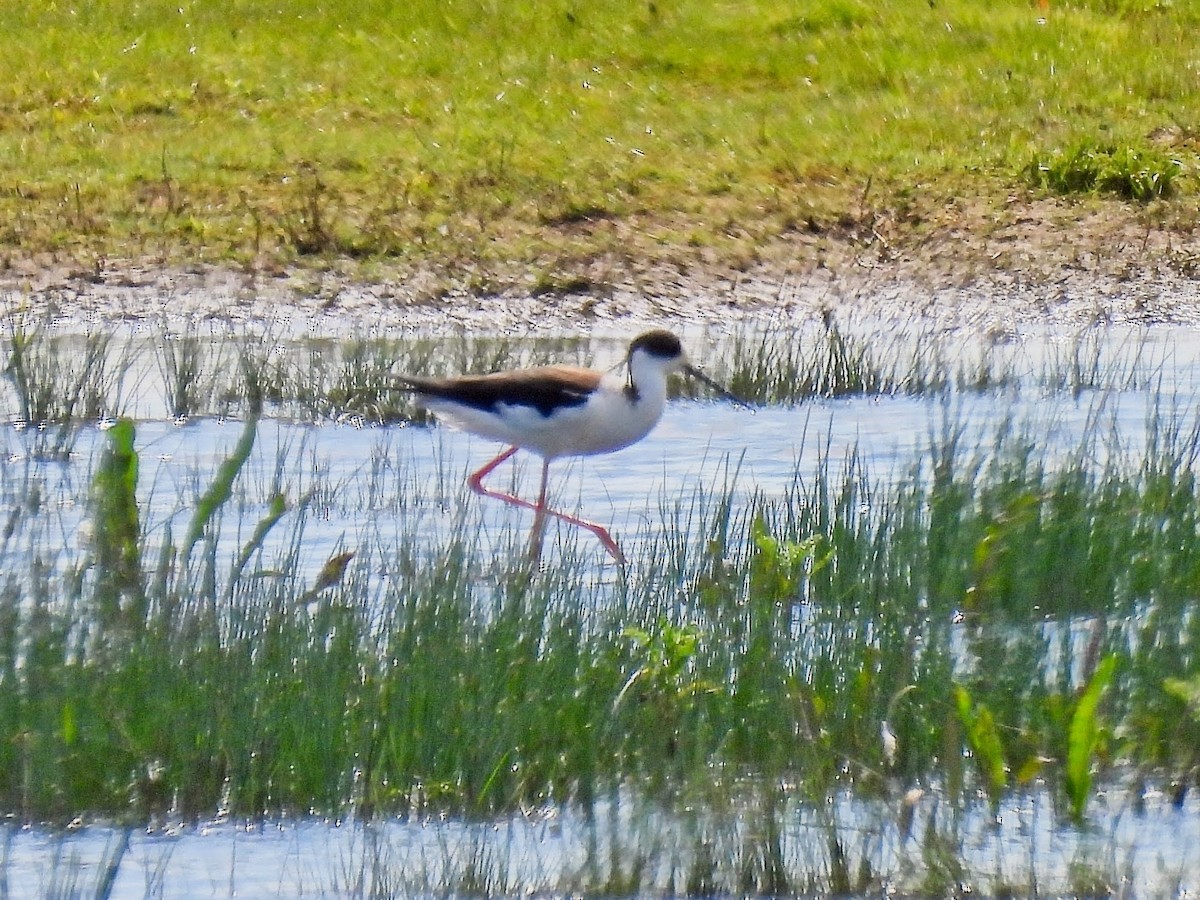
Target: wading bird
[[557, 411]]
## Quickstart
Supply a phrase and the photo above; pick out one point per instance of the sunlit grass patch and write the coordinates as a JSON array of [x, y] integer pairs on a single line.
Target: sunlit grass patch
[[1092, 167], [547, 134]]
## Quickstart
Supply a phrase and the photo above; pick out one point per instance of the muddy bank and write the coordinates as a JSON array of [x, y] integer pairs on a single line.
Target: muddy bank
[[1042, 264], [329, 303]]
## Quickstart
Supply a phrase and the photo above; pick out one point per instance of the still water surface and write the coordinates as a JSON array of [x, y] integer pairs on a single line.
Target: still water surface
[[1151, 852], [408, 482]]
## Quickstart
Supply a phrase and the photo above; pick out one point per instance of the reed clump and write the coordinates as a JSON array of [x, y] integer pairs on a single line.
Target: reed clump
[[57, 382]]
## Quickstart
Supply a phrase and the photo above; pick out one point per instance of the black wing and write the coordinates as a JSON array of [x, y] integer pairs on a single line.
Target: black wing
[[545, 390]]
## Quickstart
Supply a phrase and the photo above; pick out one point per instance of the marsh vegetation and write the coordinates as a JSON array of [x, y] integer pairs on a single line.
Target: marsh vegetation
[[924, 624], [824, 669]]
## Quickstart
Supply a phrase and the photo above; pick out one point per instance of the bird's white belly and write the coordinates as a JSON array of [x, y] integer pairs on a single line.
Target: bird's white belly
[[605, 423]]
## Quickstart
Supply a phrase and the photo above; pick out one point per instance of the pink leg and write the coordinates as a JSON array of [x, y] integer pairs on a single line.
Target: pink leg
[[476, 480], [540, 509]]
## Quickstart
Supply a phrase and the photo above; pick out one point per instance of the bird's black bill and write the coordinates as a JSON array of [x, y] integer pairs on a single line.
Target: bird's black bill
[[717, 388]]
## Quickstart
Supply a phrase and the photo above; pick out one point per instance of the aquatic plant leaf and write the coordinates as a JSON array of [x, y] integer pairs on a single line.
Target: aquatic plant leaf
[[331, 573], [222, 487], [494, 776], [116, 531], [666, 657], [1029, 770], [1187, 690], [70, 724], [1082, 739], [984, 740], [779, 565], [165, 566], [1001, 548]]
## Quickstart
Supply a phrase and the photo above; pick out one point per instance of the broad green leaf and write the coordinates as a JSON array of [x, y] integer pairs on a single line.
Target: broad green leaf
[[275, 512], [1081, 742], [984, 740]]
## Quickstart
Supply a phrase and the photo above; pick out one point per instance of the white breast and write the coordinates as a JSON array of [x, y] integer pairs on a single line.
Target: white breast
[[608, 421]]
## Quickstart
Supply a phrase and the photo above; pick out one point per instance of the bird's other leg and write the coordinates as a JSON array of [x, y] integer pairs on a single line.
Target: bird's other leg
[[475, 482], [601, 533], [539, 524], [540, 509], [539, 517]]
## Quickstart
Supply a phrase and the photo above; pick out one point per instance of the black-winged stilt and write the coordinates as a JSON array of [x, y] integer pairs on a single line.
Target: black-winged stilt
[[557, 411]]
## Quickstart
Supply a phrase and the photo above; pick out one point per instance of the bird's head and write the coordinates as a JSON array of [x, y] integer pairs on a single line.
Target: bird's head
[[661, 351]]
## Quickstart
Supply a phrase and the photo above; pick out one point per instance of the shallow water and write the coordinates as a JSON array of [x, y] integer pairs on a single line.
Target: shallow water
[[403, 486], [408, 482], [1020, 848]]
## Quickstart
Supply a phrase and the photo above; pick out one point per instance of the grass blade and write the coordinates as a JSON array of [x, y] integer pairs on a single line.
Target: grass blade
[[222, 487]]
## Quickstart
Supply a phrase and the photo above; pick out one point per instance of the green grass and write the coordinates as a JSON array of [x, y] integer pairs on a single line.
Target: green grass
[[483, 136], [1125, 172]]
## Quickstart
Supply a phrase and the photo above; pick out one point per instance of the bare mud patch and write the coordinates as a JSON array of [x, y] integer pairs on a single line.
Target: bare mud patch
[[1049, 263]]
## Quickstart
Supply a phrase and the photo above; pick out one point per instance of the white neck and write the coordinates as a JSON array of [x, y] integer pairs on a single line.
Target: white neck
[[648, 376]]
